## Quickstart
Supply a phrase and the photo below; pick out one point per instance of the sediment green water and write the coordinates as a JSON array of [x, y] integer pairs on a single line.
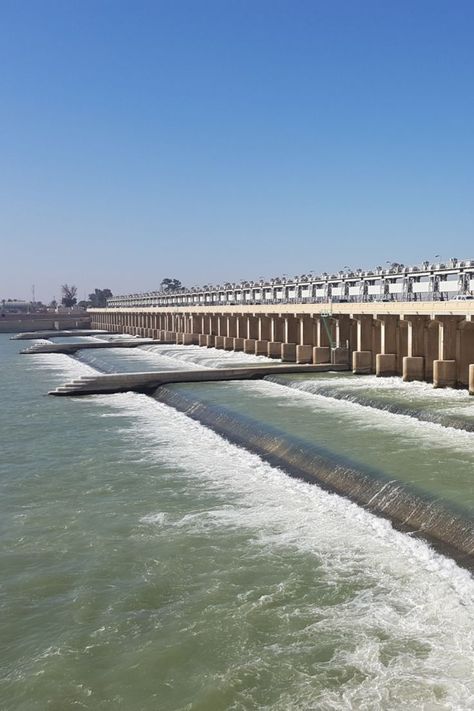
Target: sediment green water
[[147, 564], [451, 408]]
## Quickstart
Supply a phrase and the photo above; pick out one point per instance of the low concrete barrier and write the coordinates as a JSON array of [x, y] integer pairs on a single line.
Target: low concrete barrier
[[148, 382]]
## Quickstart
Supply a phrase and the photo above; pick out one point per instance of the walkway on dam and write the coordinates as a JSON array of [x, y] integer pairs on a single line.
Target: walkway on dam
[[148, 382], [32, 335], [69, 348]]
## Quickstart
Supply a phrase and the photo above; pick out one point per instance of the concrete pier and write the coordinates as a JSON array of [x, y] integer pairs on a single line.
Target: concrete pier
[[386, 364], [148, 382], [274, 349], [362, 362], [413, 368], [322, 354], [32, 335], [304, 354], [444, 373], [288, 352], [70, 348], [249, 345]]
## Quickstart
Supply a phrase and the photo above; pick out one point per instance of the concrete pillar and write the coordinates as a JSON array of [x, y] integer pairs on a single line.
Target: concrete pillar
[[261, 348], [376, 341], [343, 327], [362, 362], [210, 340], [202, 339], [413, 368], [190, 339], [277, 329], [304, 354], [365, 325], [385, 364], [402, 344], [445, 367], [388, 333], [264, 328], [195, 324], [231, 326], [323, 332], [252, 328], [416, 335], [340, 356], [321, 354], [448, 326], [228, 343], [464, 350], [306, 336], [291, 330], [471, 379], [386, 359], [249, 345], [239, 344], [274, 349], [362, 357], [241, 327], [288, 352], [219, 342], [444, 373]]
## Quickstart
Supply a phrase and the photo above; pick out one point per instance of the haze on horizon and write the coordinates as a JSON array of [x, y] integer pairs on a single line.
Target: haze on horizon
[[218, 141]]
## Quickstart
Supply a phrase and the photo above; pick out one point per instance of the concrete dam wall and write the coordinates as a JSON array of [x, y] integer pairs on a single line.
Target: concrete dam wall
[[418, 341], [450, 528]]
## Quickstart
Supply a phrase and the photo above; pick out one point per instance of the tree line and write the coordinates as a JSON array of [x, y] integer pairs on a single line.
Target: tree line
[[98, 298]]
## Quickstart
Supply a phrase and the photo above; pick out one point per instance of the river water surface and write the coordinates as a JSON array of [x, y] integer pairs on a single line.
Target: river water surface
[[148, 564]]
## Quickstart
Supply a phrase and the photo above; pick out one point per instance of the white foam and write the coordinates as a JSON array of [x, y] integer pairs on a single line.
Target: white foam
[[404, 426], [63, 364], [413, 390], [416, 595], [200, 357]]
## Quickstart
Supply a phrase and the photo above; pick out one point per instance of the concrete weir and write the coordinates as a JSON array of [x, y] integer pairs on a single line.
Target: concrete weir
[[408, 508], [431, 341], [148, 382], [70, 348], [32, 335]]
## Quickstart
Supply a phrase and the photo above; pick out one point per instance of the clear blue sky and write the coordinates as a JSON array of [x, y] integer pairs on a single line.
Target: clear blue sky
[[217, 140]]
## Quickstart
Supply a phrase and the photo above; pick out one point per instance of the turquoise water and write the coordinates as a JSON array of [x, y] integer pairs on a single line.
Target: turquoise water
[[148, 564]]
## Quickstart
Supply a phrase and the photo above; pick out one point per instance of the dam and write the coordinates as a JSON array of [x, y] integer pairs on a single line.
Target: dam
[[419, 341]]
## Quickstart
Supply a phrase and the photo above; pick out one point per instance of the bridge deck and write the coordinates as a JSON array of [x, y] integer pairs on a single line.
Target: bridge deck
[[148, 382]]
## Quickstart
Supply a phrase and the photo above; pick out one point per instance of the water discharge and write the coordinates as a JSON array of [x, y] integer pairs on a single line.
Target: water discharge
[[149, 564], [451, 408]]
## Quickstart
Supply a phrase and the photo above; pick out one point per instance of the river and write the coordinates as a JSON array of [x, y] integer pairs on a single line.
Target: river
[[149, 564]]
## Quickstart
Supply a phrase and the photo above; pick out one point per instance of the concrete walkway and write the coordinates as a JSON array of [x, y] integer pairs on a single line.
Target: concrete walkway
[[31, 335], [70, 348], [148, 382]]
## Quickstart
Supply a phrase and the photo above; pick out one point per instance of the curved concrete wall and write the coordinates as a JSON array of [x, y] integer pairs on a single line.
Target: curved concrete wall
[[409, 509]]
